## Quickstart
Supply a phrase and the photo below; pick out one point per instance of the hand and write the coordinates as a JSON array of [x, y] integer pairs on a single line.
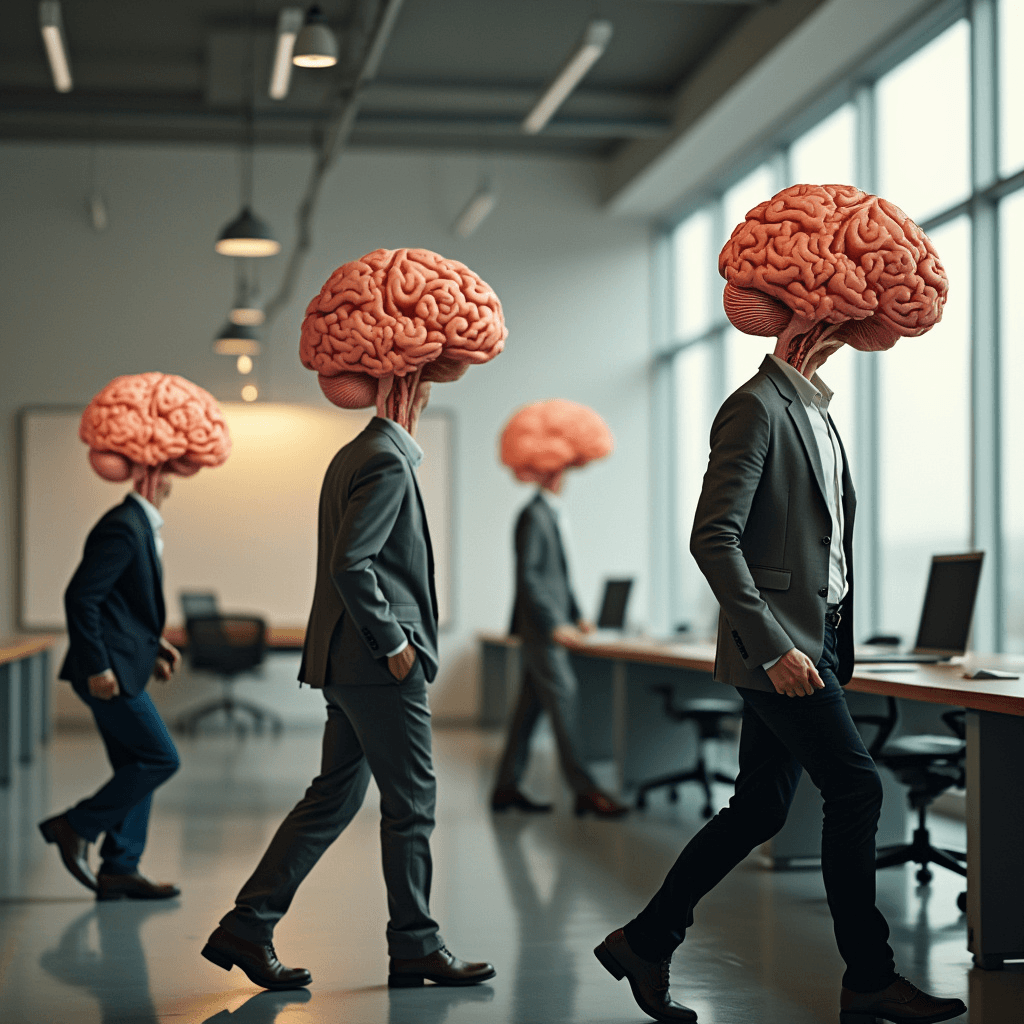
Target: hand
[[794, 675], [104, 686], [584, 626], [400, 664], [567, 635], [168, 661]]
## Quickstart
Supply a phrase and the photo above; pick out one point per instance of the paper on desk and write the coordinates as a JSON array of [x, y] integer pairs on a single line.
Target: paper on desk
[[896, 666], [990, 673]]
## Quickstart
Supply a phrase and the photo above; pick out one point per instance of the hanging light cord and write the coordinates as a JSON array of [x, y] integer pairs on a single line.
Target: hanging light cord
[[332, 141]]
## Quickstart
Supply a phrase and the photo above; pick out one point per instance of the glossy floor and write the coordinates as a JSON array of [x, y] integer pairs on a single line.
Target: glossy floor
[[533, 895]]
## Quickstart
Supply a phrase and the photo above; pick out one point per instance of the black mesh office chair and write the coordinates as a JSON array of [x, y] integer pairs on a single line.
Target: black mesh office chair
[[711, 716], [197, 603], [226, 645], [928, 765]]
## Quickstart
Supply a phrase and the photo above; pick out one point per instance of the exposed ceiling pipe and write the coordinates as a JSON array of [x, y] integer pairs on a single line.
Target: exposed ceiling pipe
[[336, 134]]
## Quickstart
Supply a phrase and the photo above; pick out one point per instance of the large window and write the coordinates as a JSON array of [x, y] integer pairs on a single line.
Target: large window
[[925, 439], [1012, 351], [924, 162], [913, 419]]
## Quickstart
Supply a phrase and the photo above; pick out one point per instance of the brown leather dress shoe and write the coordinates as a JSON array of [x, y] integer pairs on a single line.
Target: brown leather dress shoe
[[649, 981], [257, 960], [74, 850], [440, 967], [503, 799], [599, 804], [901, 1003], [133, 887]]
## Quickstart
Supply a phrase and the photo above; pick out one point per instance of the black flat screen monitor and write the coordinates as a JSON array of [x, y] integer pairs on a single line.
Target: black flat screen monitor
[[613, 604], [949, 604]]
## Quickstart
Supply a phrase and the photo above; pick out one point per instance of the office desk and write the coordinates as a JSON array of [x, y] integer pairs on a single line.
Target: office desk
[[995, 769], [278, 638], [24, 698]]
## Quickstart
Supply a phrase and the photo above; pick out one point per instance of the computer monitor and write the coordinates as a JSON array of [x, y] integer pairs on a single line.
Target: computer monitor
[[613, 604], [949, 604]]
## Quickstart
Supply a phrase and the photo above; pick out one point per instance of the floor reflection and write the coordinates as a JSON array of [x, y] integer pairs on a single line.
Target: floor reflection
[[111, 967], [263, 1008]]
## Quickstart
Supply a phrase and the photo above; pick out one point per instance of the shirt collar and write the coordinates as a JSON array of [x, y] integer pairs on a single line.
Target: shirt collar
[[412, 450], [806, 389], [553, 500], [152, 512]]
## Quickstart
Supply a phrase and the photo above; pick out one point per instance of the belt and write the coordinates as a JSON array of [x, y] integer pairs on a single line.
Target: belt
[[833, 615]]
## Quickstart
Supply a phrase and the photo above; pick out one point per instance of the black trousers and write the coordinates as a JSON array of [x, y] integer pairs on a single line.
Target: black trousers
[[781, 736]]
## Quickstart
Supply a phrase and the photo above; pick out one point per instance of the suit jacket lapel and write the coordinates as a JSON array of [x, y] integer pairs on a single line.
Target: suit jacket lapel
[[149, 542], [798, 416], [556, 534], [430, 547]]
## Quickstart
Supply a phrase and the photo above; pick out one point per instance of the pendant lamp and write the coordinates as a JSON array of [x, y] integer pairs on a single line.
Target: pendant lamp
[[237, 340], [316, 45]]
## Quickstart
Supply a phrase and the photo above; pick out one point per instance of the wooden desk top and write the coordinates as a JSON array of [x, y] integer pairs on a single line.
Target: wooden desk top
[[278, 638], [24, 645], [933, 684]]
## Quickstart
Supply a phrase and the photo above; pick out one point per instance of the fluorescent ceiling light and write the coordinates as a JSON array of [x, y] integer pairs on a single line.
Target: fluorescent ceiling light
[[51, 24], [316, 46], [289, 24], [593, 44], [476, 210]]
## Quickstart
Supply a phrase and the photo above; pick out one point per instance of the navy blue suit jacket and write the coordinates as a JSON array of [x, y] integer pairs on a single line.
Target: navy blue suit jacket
[[115, 603]]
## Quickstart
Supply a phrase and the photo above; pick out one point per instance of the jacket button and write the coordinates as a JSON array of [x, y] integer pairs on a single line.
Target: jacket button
[[823, 592], [826, 541]]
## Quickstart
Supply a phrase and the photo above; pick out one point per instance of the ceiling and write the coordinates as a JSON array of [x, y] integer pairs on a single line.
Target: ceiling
[[453, 74]]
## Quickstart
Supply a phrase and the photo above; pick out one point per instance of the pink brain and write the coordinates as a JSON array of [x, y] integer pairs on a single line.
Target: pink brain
[[833, 254], [152, 420], [547, 437], [396, 311]]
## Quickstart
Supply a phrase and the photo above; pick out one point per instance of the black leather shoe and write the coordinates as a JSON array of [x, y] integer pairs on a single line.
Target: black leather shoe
[[74, 850], [257, 960], [503, 799], [599, 804], [901, 1003], [440, 967], [649, 981], [133, 887]]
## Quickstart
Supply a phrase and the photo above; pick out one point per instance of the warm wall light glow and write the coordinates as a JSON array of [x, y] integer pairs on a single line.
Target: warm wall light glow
[[244, 364], [595, 39], [249, 393]]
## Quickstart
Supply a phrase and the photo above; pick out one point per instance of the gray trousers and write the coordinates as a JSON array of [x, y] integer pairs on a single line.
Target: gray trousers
[[549, 686], [381, 730]]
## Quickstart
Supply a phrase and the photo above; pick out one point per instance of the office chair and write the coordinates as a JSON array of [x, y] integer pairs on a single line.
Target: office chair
[[226, 645], [710, 715], [928, 765], [197, 603]]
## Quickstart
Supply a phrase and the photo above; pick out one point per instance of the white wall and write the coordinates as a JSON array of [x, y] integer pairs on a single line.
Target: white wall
[[80, 307]]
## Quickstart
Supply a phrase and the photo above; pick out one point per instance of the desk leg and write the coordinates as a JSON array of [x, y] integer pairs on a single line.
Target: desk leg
[[10, 720], [619, 711], [995, 838], [27, 728], [45, 693]]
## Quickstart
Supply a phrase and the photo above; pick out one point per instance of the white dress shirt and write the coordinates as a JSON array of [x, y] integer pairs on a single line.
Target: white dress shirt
[[815, 397], [155, 521], [415, 459]]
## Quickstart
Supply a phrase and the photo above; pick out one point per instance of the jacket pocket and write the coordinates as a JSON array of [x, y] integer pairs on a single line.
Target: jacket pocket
[[767, 578]]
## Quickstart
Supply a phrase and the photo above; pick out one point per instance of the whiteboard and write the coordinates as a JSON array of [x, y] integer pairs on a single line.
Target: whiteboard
[[246, 530]]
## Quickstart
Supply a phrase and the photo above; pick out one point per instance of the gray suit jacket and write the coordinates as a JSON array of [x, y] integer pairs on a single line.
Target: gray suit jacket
[[761, 533], [375, 566], [544, 597]]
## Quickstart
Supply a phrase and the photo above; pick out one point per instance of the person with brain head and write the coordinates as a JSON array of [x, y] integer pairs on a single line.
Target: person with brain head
[[817, 267], [379, 334], [143, 428], [540, 444]]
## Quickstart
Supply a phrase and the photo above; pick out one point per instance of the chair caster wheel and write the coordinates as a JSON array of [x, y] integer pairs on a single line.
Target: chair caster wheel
[[961, 902], [924, 876]]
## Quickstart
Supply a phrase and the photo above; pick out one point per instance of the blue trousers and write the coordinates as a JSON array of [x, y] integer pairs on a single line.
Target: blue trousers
[[143, 756], [780, 738]]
